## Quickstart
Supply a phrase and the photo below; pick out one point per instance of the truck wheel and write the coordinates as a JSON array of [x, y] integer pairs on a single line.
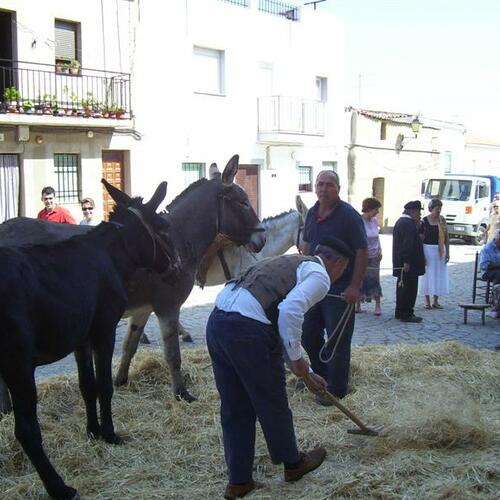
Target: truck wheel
[[482, 236]]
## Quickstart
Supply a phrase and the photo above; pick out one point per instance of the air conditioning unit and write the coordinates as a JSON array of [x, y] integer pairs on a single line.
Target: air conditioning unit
[[22, 133]]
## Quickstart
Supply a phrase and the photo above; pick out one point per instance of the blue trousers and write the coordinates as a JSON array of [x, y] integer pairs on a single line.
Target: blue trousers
[[325, 315], [249, 372]]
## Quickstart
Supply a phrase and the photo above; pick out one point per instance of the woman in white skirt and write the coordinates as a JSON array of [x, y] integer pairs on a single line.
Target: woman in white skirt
[[437, 254]]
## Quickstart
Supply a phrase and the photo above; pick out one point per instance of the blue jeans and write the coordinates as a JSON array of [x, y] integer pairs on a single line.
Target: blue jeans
[[249, 372], [326, 314]]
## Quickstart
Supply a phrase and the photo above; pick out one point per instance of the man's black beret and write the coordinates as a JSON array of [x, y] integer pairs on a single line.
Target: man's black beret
[[337, 245], [414, 205]]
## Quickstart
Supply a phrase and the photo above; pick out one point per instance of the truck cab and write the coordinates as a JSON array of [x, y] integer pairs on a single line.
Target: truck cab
[[466, 203]]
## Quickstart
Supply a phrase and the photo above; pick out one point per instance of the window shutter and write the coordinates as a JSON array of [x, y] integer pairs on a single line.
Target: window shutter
[[65, 40]]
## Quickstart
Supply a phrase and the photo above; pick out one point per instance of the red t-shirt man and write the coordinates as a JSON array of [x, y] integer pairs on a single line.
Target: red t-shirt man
[[52, 211]]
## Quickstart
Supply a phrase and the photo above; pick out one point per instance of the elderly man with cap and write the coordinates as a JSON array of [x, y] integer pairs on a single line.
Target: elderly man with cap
[[255, 316], [408, 261]]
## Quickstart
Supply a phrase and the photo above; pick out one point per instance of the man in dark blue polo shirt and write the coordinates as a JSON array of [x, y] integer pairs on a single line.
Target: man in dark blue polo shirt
[[331, 216]]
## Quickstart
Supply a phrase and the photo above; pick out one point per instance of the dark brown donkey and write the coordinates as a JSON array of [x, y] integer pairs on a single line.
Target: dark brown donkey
[[206, 208], [68, 297]]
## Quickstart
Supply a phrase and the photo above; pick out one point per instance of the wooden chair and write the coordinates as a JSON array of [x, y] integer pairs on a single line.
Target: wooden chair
[[481, 290]]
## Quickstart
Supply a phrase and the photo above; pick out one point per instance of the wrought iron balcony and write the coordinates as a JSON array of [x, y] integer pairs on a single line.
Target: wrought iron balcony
[[290, 115], [57, 90], [274, 7]]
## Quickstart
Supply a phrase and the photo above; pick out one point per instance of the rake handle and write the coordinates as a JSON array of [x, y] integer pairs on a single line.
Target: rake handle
[[325, 394]]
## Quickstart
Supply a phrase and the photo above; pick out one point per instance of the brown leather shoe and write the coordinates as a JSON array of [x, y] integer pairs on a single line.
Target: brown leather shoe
[[234, 491], [311, 460]]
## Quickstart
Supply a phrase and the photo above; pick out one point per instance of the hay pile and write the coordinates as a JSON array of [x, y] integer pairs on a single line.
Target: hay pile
[[440, 404]]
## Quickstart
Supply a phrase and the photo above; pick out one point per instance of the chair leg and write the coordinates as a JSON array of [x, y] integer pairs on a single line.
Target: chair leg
[[483, 316], [465, 315]]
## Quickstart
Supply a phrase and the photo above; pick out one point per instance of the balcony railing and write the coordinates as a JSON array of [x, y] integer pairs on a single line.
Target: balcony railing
[[274, 7], [290, 115], [35, 88]]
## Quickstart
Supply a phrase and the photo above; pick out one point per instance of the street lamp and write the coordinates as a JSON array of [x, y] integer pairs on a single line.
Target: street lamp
[[416, 126], [401, 140]]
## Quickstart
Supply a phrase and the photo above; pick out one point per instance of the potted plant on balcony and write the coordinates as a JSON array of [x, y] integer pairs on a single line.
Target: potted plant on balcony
[[74, 67], [12, 96], [120, 112], [28, 107]]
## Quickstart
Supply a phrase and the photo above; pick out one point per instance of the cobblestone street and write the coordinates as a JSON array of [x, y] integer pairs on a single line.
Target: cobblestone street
[[437, 325]]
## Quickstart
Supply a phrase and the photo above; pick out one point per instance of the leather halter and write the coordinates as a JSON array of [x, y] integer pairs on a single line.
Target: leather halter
[[220, 202]]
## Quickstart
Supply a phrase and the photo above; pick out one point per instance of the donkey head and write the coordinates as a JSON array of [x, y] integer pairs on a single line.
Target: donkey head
[[236, 219], [147, 235]]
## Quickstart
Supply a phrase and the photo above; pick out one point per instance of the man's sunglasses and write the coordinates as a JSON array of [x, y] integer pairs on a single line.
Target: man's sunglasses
[[84, 209]]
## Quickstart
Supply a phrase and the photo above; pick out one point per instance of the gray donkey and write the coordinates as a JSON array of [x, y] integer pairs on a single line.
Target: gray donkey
[[202, 211]]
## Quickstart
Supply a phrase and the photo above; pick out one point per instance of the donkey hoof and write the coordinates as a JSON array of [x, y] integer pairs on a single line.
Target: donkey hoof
[[65, 493], [184, 395], [186, 337], [113, 439], [119, 380], [144, 339]]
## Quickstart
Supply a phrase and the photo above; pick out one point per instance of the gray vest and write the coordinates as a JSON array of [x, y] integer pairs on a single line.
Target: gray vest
[[270, 280]]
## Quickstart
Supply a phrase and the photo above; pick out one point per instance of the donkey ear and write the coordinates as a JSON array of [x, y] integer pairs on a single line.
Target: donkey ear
[[230, 170], [301, 206], [119, 197], [158, 197], [213, 171]]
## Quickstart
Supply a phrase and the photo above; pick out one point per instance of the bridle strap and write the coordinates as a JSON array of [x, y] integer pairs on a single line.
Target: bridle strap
[[223, 263], [218, 230]]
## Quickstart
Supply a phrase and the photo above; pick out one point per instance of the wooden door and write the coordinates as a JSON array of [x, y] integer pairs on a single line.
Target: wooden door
[[112, 171], [378, 185], [248, 178]]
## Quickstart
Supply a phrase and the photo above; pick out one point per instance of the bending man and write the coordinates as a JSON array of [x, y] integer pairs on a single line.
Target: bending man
[[254, 317]]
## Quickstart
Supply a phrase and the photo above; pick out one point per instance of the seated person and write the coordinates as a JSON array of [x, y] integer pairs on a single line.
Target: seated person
[[489, 260]]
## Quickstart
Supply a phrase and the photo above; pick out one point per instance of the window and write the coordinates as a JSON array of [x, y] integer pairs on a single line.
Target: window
[[67, 172], [321, 89], [383, 131], [305, 179], [67, 47], [447, 162], [192, 172], [208, 71], [482, 190]]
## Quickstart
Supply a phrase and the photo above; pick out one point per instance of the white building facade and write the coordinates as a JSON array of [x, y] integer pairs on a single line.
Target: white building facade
[[388, 160], [195, 81]]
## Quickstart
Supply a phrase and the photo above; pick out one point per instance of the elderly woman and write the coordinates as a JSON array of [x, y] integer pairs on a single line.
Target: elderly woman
[[371, 283], [437, 254]]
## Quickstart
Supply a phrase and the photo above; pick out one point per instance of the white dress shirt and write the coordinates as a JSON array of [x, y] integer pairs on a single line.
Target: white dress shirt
[[313, 283]]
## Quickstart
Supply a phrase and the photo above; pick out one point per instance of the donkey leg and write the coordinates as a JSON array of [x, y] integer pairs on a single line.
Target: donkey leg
[[5, 403], [21, 383], [103, 354], [184, 334], [86, 378], [169, 326], [136, 324]]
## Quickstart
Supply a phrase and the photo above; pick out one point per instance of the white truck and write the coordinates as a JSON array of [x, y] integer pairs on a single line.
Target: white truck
[[466, 203]]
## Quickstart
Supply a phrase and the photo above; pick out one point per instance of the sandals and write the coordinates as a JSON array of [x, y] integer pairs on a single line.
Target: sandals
[[427, 306], [437, 306]]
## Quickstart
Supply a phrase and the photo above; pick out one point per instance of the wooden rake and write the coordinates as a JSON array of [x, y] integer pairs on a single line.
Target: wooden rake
[[362, 429]]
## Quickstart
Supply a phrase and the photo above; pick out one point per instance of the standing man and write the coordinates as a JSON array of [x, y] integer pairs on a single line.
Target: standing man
[[52, 211], [408, 261], [255, 316], [331, 216]]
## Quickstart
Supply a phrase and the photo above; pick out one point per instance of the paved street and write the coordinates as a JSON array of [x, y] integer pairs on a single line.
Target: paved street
[[438, 325]]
